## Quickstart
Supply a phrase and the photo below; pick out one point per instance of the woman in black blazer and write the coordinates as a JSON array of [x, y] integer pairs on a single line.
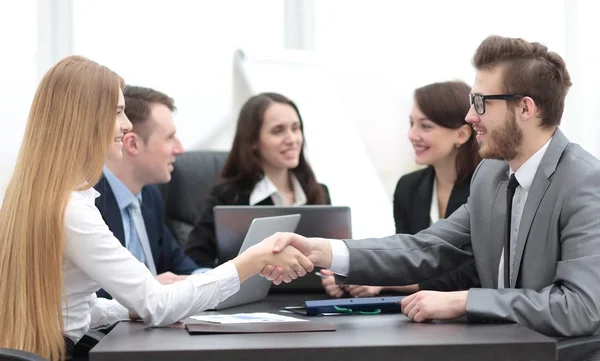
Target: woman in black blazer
[[446, 144], [266, 166]]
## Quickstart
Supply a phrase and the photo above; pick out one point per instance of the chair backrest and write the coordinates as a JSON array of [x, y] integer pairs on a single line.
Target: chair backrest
[[194, 175], [7, 354]]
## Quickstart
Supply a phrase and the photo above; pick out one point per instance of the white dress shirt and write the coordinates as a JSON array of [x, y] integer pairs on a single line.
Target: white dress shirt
[[340, 262], [265, 189], [94, 259]]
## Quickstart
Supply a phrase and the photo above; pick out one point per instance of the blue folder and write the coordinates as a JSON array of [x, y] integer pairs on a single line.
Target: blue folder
[[368, 305]]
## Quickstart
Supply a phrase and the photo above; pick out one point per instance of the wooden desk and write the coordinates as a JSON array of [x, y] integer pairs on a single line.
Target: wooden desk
[[375, 338]]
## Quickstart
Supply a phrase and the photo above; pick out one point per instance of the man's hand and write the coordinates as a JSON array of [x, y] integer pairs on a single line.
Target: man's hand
[[168, 278], [318, 251], [289, 262], [328, 282], [362, 291], [432, 305]]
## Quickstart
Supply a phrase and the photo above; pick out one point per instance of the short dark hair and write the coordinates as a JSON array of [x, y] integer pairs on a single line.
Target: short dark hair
[[138, 101], [528, 69], [243, 170], [447, 104]]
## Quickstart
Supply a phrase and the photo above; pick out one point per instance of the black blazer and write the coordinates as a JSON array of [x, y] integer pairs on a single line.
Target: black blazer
[[168, 255], [412, 204], [201, 245]]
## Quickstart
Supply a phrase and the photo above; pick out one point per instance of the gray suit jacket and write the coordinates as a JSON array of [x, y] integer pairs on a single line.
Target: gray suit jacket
[[556, 278]]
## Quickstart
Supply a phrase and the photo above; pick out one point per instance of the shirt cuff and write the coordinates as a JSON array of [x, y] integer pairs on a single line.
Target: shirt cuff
[[340, 260], [226, 276], [107, 312]]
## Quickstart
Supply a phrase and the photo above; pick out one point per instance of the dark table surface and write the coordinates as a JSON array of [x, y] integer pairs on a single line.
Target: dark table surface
[[358, 337]]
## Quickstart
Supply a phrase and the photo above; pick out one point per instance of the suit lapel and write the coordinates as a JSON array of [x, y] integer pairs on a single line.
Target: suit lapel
[[538, 188], [422, 206], [151, 223], [107, 204], [498, 230], [265, 202]]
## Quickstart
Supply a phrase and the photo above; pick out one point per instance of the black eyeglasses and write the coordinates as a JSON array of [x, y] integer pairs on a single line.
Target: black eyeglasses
[[478, 100]]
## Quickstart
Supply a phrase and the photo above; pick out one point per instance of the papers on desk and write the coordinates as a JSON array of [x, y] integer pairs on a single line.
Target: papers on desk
[[256, 317]]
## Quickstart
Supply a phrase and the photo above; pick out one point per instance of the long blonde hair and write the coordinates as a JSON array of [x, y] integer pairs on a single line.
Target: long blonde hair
[[71, 124]]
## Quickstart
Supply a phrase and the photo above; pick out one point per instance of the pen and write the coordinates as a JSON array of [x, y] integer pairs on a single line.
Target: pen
[[320, 274]]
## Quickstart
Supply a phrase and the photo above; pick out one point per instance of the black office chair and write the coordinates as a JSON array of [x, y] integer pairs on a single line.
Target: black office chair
[[579, 348], [194, 175], [7, 354]]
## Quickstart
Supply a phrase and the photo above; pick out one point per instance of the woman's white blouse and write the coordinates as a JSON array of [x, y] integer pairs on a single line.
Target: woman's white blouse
[[95, 259], [434, 210]]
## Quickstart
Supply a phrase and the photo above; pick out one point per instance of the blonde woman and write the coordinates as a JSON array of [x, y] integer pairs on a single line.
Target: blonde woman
[[55, 249]]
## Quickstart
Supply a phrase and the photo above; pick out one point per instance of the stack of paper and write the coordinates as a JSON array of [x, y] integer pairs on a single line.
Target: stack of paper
[[246, 318]]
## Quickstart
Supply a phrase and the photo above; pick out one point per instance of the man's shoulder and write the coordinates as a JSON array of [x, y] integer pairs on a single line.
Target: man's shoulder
[[488, 174], [575, 158]]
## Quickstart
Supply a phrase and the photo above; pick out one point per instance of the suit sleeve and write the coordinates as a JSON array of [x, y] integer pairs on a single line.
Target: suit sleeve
[[571, 305], [404, 259], [202, 245], [462, 278]]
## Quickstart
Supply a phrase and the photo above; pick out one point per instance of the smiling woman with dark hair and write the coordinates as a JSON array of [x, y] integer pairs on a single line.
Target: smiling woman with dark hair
[[266, 166], [446, 144]]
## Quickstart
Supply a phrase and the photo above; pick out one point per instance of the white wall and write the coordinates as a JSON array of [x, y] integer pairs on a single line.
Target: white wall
[[582, 113], [386, 49], [379, 51], [18, 42], [183, 48]]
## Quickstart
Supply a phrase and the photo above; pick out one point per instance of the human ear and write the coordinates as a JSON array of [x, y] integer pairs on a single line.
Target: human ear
[[528, 107], [131, 143], [463, 134]]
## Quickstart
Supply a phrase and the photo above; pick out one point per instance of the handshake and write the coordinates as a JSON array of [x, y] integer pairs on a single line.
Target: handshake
[[283, 257]]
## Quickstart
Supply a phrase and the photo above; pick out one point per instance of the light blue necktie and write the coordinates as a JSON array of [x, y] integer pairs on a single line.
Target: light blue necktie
[[139, 245]]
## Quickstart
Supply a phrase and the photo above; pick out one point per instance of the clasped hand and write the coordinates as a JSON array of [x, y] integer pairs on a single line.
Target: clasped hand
[[316, 251], [282, 261]]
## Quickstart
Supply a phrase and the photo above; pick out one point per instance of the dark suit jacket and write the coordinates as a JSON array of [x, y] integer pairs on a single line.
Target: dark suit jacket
[[201, 244], [168, 255], [412, 203]]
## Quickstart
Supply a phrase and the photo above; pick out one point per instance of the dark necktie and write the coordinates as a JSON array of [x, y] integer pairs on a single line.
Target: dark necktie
[[510, 193]]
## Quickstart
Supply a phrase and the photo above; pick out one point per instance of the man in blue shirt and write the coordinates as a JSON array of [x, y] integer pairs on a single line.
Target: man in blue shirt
[[130, 203]]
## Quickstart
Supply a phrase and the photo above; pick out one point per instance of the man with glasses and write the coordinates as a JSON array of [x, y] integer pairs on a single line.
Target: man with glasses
[[531, 224]]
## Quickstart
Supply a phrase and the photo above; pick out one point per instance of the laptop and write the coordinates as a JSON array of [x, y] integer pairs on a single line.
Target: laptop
[[256, 288], [231, 223]]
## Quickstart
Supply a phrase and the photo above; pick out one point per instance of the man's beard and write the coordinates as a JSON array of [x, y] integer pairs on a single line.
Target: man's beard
[[503, 143]]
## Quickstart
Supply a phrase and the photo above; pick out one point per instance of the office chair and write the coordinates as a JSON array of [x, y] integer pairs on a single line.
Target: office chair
[[7, 354], [578, 348], [194, 175]]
